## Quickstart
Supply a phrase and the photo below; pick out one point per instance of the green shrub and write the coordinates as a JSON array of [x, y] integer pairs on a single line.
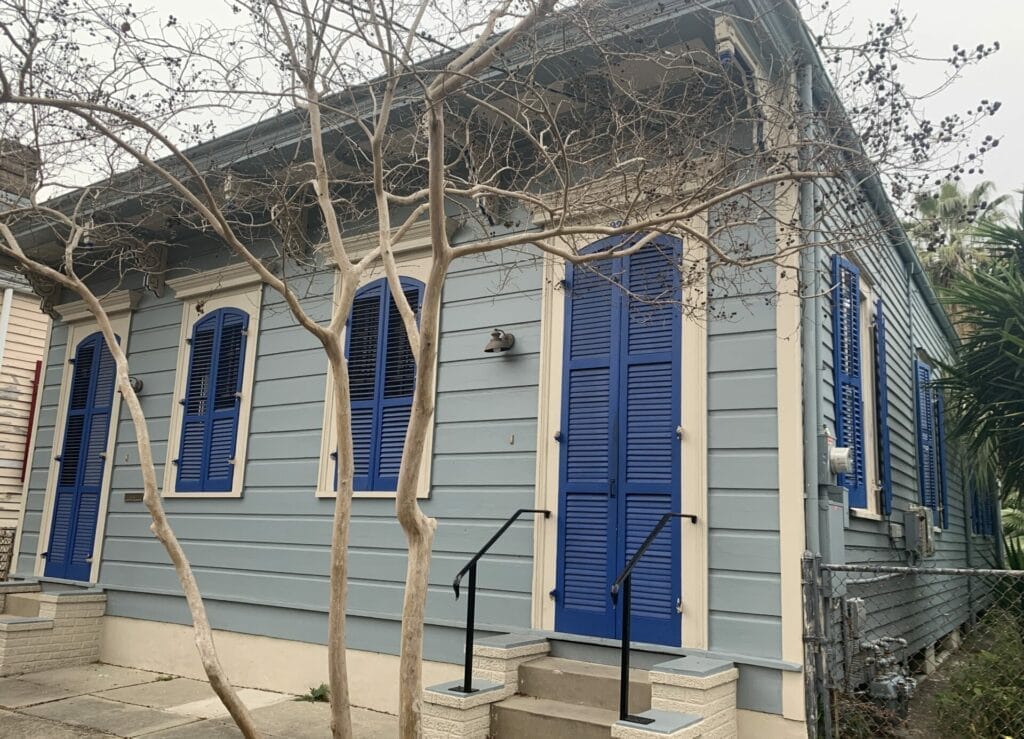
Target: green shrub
[[320, 694], [858, 717], [984, 696]]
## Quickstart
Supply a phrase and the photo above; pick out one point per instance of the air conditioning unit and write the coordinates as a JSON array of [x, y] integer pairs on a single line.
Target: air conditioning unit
[[919, 530]]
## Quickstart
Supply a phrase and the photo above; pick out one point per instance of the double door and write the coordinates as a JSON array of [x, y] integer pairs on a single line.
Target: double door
[[620, 442]]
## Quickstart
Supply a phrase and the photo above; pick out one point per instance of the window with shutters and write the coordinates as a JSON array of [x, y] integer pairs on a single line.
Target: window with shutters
[[861, 389], [382, 378], [213, 393], [931, 443]]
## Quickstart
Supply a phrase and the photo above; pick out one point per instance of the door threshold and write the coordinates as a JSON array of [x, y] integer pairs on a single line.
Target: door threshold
[[602, 650]]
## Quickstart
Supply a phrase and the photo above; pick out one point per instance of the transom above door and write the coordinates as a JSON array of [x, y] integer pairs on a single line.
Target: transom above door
[[620, 449]]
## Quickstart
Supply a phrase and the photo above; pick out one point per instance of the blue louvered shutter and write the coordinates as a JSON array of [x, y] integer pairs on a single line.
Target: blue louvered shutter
[[649, 461], [82, 461], [382, 378], [926, 469], [212, 402], [942, 495], [587, 543], [846, 357], [882, 408]]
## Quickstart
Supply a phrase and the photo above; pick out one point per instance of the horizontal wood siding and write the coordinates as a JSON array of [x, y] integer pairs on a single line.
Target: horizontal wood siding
[[25, 345], [269, 550], [744, 595], [918, 609]]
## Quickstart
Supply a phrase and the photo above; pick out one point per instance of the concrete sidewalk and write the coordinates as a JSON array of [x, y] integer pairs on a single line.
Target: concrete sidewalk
[[102, 701]]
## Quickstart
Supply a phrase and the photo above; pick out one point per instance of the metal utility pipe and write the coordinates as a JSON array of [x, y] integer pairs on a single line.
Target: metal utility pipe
[[810, 320]]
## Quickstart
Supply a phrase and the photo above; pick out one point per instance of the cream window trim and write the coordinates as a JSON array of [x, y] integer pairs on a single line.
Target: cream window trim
[[113, 304], [247, 296], [120, 321], [869, 400], [408, 266], [415, 241], [214, 282]]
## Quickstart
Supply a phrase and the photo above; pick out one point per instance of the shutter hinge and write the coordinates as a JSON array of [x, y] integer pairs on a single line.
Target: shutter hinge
[[57, 458], [175, 461], [553, 594], [679, 432], [245, 332], [558, 436], [181, 402], [679, 605], [188, 339], [231, 461], [103, 455], [44, 555], [71, 361], [238, 395]]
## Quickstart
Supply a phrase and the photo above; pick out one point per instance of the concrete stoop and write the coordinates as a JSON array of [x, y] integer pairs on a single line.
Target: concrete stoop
[[42, 629], [541, 696]]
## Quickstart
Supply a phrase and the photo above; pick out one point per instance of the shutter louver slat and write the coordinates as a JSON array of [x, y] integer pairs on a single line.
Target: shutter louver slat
[[585, 547], [382, 378], [587, 432], [363, 340], [83, 463], [394, 424], [400, 366], [209, 431], [652, 578], [927, 473], [846, 353], [882, 405]]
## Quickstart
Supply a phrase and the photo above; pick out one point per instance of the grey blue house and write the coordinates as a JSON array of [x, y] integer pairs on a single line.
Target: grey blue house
[[608, 411]]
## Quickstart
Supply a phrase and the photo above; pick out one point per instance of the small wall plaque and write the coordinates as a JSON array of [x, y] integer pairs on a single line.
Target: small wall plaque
[[133, 497]]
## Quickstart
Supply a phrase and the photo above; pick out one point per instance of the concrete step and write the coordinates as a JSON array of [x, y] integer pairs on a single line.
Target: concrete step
[[583, 684], [524, 716], [25, 605]]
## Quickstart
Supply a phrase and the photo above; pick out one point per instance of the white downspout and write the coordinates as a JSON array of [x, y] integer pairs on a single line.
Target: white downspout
[[5, 320]]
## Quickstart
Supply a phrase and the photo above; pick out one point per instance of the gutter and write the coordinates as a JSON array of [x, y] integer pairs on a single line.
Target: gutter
[[810, 332]]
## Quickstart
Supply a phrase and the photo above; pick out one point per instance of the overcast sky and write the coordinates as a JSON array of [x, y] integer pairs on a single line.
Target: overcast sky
[[937, 25]]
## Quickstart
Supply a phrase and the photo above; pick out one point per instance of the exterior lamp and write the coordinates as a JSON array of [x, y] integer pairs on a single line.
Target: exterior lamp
[[501, 341]]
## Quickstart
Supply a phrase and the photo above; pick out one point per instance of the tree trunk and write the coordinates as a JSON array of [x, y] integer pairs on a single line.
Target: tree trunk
[[419, 528], [161, 528], [341, 712]]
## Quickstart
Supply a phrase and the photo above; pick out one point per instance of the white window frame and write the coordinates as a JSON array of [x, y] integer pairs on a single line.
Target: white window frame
[[231, 287], [410, 264]]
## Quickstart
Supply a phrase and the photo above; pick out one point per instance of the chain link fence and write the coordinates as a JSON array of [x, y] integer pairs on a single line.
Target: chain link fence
[[914, 651]]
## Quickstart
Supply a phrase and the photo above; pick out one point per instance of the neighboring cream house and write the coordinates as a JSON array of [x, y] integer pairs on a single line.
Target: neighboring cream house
[[24, 331]]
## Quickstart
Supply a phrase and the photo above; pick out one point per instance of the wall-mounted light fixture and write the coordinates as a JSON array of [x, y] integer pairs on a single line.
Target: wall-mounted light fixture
[[501, 341], [136, 383]]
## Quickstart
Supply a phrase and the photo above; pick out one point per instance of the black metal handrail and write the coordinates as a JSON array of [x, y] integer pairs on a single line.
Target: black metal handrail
[[624, 582], [467, 680]]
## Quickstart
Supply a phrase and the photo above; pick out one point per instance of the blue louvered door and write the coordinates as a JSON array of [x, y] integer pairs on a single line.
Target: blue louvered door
[[620, 464], [82, 462]]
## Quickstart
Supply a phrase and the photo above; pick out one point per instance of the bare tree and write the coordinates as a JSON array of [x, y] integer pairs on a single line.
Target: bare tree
[[523, 124]]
